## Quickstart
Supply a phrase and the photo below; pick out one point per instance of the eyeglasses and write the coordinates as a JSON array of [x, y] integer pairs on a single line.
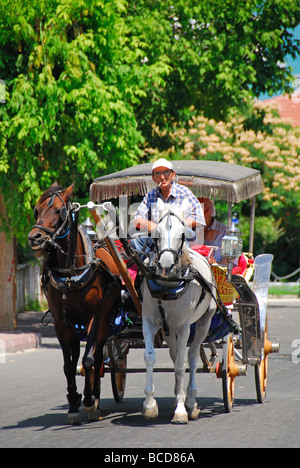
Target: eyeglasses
[[166, 173]]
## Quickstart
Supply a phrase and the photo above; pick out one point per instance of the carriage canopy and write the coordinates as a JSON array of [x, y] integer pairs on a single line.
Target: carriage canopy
[[211, 179]]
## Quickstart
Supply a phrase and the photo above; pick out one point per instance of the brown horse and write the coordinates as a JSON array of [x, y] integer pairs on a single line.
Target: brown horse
[[82, 287]]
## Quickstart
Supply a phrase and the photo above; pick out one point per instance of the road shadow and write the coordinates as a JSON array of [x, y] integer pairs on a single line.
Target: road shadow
[[55, 418], [126, 414]]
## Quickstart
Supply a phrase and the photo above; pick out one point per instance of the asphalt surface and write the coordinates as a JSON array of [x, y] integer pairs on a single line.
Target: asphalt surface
[[33, 405]]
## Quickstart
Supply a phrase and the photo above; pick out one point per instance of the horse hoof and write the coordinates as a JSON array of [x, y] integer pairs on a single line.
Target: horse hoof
[[93, 412], [73, 419], [150, 413], [95, 415], [180, 418], [193, 413]]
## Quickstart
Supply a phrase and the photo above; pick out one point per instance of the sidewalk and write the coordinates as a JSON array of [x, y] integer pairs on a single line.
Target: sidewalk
[[28, 334], [30, 322]]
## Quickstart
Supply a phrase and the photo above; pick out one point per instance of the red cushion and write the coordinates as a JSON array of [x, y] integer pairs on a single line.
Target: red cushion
[[201, 249], [241, 267]]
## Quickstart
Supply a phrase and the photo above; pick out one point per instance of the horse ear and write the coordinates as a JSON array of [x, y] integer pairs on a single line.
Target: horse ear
[[68, 192]]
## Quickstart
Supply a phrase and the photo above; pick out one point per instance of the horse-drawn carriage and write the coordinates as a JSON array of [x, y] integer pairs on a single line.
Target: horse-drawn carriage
[[244, 342]]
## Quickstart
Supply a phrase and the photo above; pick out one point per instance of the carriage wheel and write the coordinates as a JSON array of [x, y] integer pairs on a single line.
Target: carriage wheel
[[118, 380], [229, 373], [261, 371]]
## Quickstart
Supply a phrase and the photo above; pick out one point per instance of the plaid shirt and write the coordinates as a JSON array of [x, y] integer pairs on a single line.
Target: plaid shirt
[[148, 208]]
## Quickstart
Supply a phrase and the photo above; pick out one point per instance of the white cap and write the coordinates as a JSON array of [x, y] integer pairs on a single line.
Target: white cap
[[162, 163]]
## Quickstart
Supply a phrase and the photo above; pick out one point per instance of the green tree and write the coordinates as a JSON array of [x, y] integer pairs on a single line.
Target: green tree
[[89, 83], [220, 54], [72, 76]]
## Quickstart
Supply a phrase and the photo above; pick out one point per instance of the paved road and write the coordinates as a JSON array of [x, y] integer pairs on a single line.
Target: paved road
[[33, 404]]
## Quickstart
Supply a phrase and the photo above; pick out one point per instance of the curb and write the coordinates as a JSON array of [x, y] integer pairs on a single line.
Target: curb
[[12, 342], [273, 299]]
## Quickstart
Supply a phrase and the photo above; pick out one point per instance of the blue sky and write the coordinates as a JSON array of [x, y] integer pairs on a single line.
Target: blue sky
[[295, 63]]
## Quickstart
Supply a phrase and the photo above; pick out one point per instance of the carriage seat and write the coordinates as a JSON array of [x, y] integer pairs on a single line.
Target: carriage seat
[[240, 269], [245, 268]]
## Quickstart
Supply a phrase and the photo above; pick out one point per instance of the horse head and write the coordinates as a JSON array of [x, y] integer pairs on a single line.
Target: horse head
[[170, 237], [51, 215]]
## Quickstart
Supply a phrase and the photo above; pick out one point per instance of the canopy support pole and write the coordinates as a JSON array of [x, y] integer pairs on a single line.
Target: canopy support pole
[[252, 218], [229, 215]]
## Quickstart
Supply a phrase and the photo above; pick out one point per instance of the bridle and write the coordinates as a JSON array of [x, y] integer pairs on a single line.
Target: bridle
[[64, 229], [169, 227]]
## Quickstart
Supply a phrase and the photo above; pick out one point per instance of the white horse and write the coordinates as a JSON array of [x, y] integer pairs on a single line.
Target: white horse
[[176, 316]]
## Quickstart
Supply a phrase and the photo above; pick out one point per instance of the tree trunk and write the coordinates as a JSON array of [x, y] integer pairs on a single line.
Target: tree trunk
[[8, 317]]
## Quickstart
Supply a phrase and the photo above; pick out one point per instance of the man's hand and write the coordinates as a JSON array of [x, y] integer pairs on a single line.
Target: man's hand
[[142, 223], [210, 235]]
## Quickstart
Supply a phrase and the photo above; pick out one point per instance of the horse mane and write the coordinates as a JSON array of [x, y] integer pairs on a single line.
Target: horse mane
[[185, 258], [49, 192]]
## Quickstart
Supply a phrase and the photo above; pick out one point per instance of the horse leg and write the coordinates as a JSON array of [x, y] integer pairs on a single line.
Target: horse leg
[[180, 415], [150, 407], [202, 327], [70, 346], [94, 413], [98, 357], [171, 341], [98, 332], [191, 404], [90, 402], [172, 344]]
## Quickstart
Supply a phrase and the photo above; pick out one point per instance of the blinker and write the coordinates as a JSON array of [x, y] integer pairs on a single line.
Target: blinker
[[63, 213]]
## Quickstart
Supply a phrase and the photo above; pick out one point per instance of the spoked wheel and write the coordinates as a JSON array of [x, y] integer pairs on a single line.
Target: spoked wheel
[[229, 373], [118, 380], [261, 371]]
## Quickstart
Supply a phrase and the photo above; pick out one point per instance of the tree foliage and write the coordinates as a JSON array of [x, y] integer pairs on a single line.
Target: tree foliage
[[275, 152], [68, 112], [88, 83], [220, 54]]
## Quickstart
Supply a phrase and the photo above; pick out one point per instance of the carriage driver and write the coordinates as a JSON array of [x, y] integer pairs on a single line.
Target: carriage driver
[[147, 215]]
